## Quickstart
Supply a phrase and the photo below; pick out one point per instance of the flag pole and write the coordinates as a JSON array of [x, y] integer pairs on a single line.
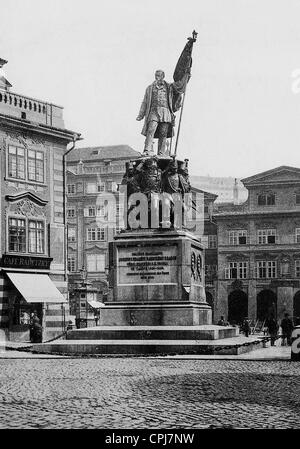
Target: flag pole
[[192, 39], [179, 125]]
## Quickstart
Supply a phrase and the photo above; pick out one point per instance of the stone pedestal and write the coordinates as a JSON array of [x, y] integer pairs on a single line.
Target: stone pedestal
[[156, 279]]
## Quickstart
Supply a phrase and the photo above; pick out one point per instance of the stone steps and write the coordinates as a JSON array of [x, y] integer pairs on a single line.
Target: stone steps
[[205, 332], [228, 346]]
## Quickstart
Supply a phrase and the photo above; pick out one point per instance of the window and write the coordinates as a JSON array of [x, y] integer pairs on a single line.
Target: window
[[16, 162], [71, 188], [297, 268], [242, 270], [297, 235], [71, 234], [117, 229], [95, 262], [212, 241], [297, 198], [36, 237], [17, 235], [236, 270], [71, 264], [35, 166], [266, 269], [71, 213], [266, 236], [95, 234], [91, 211], [238, 237], [102, 211], [91, 187], [266, 199], [101, 187], [109, 186]]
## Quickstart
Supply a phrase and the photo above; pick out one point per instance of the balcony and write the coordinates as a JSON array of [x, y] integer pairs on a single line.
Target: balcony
[[27, 108]]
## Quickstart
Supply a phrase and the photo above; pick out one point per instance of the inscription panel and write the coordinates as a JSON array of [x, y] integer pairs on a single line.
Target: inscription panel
[[155, 264]]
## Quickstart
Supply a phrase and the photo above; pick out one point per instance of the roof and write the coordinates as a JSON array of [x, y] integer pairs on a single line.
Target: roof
[[278, 175], [210, 195], [105, 152]]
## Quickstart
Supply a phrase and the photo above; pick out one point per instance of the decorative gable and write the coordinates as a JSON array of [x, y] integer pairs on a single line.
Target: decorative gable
[[279, 175]]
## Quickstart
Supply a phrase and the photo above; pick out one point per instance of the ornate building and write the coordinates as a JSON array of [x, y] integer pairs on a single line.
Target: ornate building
[[259, 249], [33, 275]]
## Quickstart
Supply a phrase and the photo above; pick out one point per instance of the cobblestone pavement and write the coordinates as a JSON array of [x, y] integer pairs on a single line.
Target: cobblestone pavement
[[111, 393]]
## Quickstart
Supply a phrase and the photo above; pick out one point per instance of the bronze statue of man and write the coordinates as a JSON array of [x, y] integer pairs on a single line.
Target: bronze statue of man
[[160, 102]]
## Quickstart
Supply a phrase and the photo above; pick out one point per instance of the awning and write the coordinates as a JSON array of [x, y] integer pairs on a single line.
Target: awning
[[36, 287], [96, 304]]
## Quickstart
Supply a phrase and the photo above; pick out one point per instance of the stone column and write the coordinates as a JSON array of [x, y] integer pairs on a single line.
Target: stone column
[[252, 306], [284, 301]]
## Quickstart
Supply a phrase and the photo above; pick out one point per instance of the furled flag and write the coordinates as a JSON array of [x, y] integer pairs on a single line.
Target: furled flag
[[184, 63]]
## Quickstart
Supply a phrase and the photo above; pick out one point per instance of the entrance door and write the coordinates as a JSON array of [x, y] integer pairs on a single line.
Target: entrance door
[[21, 313], [237, 307], [266, 305]]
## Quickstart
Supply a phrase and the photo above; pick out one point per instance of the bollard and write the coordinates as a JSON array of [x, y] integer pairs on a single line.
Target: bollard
[[295, 348]]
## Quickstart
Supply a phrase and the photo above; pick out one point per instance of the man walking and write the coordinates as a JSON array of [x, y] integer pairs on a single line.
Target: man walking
[[287, 329]]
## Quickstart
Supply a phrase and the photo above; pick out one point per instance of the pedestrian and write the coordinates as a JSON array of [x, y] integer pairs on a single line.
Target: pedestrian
[[221, 321], [287, 329], [36, 330], [70, 325], [246, 327], [272, 327]]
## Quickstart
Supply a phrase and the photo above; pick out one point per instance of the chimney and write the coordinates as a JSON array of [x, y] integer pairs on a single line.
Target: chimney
[[235, 193]]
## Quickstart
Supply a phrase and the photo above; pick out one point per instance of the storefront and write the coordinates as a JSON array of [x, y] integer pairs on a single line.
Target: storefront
[[33, 297]]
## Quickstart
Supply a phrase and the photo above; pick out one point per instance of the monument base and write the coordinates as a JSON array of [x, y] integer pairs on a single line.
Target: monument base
[[181, 314], [156, 279]]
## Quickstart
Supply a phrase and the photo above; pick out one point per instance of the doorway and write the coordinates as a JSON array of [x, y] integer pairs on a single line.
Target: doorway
[[237, 307], [266, 305]]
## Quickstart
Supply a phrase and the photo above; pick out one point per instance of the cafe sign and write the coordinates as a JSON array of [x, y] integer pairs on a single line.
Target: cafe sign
[[17, 261]]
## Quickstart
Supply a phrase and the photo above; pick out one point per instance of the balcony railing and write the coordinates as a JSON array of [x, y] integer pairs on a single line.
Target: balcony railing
[[31, 109]]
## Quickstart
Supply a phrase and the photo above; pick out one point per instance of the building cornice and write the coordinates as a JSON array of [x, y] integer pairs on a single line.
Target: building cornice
[[39, 128], [271, 214]]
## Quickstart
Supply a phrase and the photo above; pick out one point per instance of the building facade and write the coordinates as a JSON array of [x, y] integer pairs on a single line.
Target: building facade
[[207, 234], [93, 177], [259, 249], [33, 276]]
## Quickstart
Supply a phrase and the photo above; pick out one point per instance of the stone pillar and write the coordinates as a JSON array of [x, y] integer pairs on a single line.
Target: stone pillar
[[252, 301], [284, 301]]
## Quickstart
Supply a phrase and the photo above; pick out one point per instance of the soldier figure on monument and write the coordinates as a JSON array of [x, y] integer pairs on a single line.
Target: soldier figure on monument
[[162, 100]]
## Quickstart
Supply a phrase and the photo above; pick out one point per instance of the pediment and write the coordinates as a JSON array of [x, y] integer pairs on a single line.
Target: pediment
[[279, 175], [27, 204]]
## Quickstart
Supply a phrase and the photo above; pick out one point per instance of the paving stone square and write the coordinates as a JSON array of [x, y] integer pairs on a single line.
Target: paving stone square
[[111, 393]]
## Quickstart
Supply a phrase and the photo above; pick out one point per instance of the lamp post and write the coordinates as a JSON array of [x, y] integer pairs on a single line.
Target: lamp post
[[84, 294]]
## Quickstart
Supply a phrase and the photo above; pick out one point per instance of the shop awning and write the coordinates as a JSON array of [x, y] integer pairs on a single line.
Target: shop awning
[[36, 287], [96, 304]]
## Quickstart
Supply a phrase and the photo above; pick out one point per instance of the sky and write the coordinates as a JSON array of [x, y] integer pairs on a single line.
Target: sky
[[95, 58]]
